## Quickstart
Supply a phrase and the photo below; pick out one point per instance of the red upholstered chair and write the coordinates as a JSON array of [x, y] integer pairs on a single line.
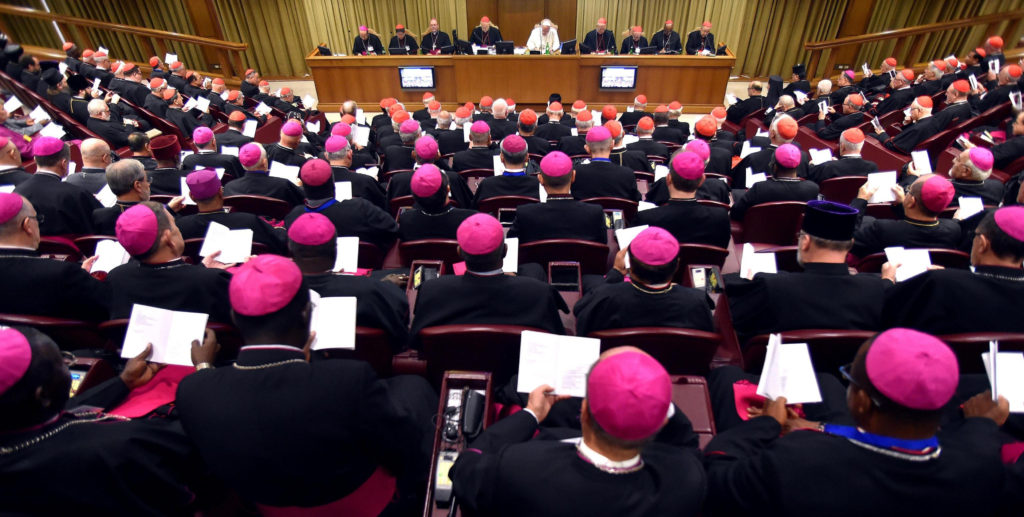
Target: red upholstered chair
[[370, 256], [680, 351], [734, 128], [752, 125], [709, 202], [489, 348], [627, 206], [270, 132], [399, 202], [842, 189], [940, 257], [829, 348], [476, 173], [593, 257], [369, 500], [372, 346], [968, 347], [491, 205], [698, 254], [227, 336], [773, 223], [260, 205], [690, 395], [69, 334], [59, 248], [446, 250], [87, 243], [887, 160], [945, 161], [386, 176]]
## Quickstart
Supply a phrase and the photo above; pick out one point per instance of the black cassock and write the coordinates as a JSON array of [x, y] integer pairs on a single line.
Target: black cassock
[[695, 42], [460, 193], [380, 305], [602, 43], [259, 183], [173, 285], [771, 190], [166, 181], [619, 304], [363, 186], [485, 39], [631, 46], [712, 189], [372, 45], [670, 42], [49, 287], [874, 235], [415, 224], [408, 43], [601, 178], [195, 226], [214, 160], [354, 217], [561, 217], [951, 301], [843, 166], [689, 222], [507, 185], [66, 209], [507, 473], [104, 219], [434, 41]]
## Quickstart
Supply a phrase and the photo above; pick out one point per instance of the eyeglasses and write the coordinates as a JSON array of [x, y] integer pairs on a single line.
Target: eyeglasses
[[844, 370], [40, 218]]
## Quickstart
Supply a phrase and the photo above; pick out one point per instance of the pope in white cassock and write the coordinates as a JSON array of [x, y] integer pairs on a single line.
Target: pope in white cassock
[[544, 38]]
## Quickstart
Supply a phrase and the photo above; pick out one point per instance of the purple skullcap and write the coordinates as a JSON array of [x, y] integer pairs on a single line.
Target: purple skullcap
[[335, 144], [936, 193], [788, 156], [599, 134], [555, 163], [312, 229], [849, 74], [513, 144], [654, 247], [264, 285], [426, 148], [292, 129], [480, 127], [341, 129], [1010, 219], [409, 127], [981, 158], [203, 184], [913, 369], [426, 180], [137, 229], [15, 358], [202, 135], [629, 394], [315, 172], [480, 234], [700, 147], [250, 154], [46, 146], [688, 165], [10, 205]]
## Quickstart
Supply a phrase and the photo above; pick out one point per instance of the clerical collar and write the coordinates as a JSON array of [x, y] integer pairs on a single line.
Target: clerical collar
[[1011, 274], [560, 197], [683, 200], [604, 464], [8, 167], [178, 262], [514, 172], [849, 156], [493, 272], [601, 160], [910, 450], [212, 212], [918, 222], [258, 357], [207, 151], [652, 289], [51, 173], [319, 205]]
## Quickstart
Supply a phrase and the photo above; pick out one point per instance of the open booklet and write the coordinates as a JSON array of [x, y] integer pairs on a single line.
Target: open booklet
[[788, 372], [559, 361], [347, 259], [334, 320], [235, 246], [109, 254], [1005, 375], [912, 262], [752, 262], [170, 332]]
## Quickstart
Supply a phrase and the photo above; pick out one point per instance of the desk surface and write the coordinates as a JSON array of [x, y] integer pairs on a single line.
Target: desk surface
[[697, 82]]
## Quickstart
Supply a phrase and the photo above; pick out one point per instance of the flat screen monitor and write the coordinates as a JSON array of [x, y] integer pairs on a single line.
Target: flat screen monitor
[[504, 47], [618, 78], [568, 47], [324, 51], [398, 51], [416, 77]]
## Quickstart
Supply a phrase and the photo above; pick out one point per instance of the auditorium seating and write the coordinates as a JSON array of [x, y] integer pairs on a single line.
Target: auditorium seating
[[490, 348], [690, 395], [940, 257], [259, 205], [772, 223], [681, 351], [592, 257], [829, 348]]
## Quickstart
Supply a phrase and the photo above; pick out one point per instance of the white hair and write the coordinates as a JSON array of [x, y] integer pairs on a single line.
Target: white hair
[[824, 86], [96, 107], [846, 145], [977, 174], [499, 107], [544, 22]]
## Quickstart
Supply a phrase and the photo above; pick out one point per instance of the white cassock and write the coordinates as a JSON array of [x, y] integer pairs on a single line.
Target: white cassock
[[538, 40]]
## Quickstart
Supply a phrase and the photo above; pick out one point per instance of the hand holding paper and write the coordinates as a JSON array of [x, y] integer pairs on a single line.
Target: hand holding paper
[[559, 361], [788, 372], [170, 332]]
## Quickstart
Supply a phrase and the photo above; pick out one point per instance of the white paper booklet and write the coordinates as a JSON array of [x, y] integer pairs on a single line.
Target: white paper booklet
[[559, 361]]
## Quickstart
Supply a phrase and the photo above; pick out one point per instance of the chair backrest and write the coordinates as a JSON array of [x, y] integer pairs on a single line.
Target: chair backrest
[[698, 254], [372, 346], [690, 394], [397, 203], [842, 189], [59, 248], [829, 348], [592, 257], [489, 348], [260, 205], [1014, 167], [717, 177], [370, 256], [886, 160], [628, 207], [476, 173], [385, 177], [773, 223], [940, 257], [87, 243], [968, 347], [710, 202], [69, 334], [446, 250], [270, 132], [680, 351], [491, 205]]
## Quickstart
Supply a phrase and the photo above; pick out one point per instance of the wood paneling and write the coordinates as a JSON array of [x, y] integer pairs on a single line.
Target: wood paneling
[[476, 9], [697, 82], [563, 14], [518, 18], [855, 21]]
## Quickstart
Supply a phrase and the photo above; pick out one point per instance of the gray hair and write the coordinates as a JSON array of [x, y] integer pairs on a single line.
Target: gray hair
[[824, 86], [122, 175], [96, 107], [340, 153], [409, 137], [499, 107], [263, 157]]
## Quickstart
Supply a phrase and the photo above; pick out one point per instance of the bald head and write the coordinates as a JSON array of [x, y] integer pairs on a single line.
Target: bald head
[[786, 103], [9, 154], [500, 108], [95, 152]]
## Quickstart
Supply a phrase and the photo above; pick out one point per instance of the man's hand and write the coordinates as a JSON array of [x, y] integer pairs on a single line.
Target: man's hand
[[87, 265], [211, 262], [982, 406], [176, 203], [868, 73], [777, 410], [207, 351], [912, 169], [397, 279], [821, 115], [866, 191], [620, 261], [898, 192], [541, 400], [139, 370]]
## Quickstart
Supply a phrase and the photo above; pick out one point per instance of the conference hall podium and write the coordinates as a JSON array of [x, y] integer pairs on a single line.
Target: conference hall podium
[[698, 82]]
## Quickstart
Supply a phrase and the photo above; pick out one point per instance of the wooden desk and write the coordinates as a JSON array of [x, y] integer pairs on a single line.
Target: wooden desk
[[697, 82]]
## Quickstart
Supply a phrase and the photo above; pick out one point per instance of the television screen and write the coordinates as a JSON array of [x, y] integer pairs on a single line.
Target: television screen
[[416, 77], [618, 78]]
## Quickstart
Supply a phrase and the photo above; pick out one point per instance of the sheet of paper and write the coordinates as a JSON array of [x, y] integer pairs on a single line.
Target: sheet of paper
[[969, 206], [660, 171], [224, 95], [53, 130], [752, 178], [1009, 382], [629, 109], [819, 156], [645, 205], [96, 87], [261, 109], [170, 332], [106, 196], [801, 97], [762, 133], [12, 104], [788, 372], [624, 236], [769, 110], [190, 104], [348, 255], [369, 171], [823, 106], [561, 362], [360, 116], [333, 318], [184, 154], [309, 102], [922, 162], [235, 246], [912, 262], [974, 82], [233, 151], [630, 139], [313, 127], [7, 189], [249, 128], [39, 114], [288, 172], [170, 58], [510, 264], [748, 149], [1015, 100], [62, 67], [597, 115], [906, 113], [993, 66], [72, 167], [730, 99], [992, 367], [342, 190], [109, 254], [185, 191], [877, 125], [361, 135], [866, 69], [574, 132], [499, 168], [203, 104], [543, 194], [884, 181], [752, 263]]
